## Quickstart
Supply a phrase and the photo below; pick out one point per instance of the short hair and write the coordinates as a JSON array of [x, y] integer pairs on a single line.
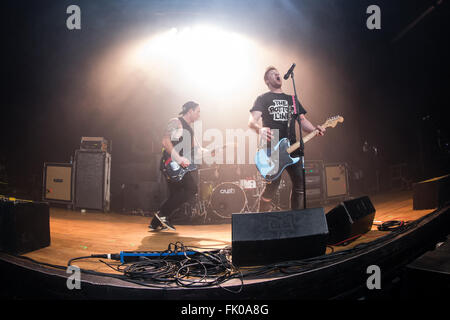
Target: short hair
[[188, 106], [269, 68]]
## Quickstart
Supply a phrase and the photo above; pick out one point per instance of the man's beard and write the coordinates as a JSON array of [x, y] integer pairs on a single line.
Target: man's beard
[[276, 85]]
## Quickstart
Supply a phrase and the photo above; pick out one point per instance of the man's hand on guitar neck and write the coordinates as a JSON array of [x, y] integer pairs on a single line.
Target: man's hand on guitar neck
[[320, 130], [308, 127]]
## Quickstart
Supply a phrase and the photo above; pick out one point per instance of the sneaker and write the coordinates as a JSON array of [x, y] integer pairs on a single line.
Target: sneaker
[[165, 222], [156, 225], [159, 228]]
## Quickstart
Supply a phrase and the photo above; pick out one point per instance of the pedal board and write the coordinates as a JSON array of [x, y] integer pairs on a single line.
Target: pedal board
[[132, 256]]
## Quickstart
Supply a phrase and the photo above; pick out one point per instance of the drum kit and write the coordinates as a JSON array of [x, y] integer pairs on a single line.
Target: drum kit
[[227, 189], [224, 189]]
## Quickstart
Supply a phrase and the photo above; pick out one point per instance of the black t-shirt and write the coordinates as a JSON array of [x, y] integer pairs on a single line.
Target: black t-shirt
[[274, 108]]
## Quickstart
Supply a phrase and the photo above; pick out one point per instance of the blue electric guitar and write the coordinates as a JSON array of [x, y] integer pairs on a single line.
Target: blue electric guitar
[[271, 162]]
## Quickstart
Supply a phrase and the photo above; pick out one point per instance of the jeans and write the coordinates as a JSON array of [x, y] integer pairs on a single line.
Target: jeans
[[179, 193], [296, 175]]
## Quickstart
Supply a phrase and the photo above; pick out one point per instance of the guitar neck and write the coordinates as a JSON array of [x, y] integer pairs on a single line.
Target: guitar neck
[[306, 138]]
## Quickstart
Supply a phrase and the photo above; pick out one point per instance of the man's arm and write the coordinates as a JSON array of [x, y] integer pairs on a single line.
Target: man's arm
[[173, 127], [307, 126], [255, 123]]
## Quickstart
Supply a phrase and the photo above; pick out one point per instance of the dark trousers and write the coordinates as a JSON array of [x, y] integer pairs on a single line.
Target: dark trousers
[[179, 193], [296, 175]]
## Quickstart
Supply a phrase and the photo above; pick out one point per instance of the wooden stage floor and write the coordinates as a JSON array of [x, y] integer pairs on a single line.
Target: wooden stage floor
[[75, 234]]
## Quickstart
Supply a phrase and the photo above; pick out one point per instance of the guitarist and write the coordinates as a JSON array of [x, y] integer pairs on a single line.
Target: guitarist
[[270, 112], [178, 129]]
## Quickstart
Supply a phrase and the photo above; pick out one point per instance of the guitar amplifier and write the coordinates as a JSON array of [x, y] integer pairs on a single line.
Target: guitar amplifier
[[336, 180], [92, 180], [57, 182], [314, 180], [95, 144]]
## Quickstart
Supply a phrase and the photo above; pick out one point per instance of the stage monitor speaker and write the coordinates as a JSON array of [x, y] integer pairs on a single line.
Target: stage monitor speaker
[[271, 237], [336, 180], [57, 184], [432, 193], [24, 226], [350, 218], [92, 180]]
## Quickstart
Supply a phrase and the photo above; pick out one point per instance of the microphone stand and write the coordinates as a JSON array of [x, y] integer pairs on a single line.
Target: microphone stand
[[302, 144]]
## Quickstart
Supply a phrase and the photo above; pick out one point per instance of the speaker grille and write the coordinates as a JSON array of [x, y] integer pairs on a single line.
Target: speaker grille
[[270, 237], [57, 182], [350, 218], [90, 182], [358, 208]]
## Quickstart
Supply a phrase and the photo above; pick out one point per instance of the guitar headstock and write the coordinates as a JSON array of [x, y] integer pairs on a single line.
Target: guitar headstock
[[333, 121]]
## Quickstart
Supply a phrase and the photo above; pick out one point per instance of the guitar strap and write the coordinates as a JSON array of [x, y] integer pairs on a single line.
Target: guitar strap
[[295, 106], [290, 116]]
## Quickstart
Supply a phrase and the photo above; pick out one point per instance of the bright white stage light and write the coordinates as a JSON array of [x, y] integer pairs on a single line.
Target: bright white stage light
[[201, 58], [221, 70]]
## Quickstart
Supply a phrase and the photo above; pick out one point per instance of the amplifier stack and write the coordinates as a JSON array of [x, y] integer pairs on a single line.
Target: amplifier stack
[[85, 183], [323, 181], [314, 181]]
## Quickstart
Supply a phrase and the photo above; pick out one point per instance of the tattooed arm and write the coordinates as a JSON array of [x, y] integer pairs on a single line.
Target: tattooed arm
[[174, 130]]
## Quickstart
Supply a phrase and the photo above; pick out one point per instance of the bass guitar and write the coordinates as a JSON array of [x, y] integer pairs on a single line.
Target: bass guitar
[[272, 162], [175, 172]]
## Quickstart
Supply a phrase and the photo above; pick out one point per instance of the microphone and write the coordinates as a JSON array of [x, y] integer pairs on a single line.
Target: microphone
[[291, 69]]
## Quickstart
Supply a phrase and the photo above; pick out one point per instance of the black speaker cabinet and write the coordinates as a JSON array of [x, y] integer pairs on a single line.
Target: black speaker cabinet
[[92, 180], [24, 226], [350, 218], [57, 184], [432, 193], [271, 237]]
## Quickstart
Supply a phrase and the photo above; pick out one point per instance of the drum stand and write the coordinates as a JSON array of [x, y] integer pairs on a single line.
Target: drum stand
[[193, 209], [201, 206], [260, 184]]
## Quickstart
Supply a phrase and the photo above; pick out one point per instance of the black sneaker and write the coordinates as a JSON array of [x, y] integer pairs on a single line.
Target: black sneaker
[[161, 228], [165, 222], [156, 225]]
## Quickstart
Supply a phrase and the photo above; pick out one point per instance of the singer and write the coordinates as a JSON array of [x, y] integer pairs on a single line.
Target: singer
[[275, 110]]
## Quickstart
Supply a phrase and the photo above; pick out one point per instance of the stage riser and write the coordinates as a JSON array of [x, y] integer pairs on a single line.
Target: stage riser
[[342, 279]]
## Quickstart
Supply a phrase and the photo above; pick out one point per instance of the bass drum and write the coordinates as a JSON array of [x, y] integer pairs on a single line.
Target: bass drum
[[228, 198]]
